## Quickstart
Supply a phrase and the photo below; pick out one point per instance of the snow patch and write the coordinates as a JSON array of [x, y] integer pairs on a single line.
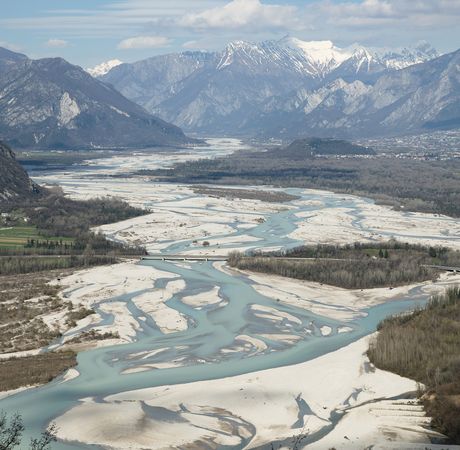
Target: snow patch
[[119, 111]]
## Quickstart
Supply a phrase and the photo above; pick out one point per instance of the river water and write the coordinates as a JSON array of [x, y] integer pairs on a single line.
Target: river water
[[202, 349]]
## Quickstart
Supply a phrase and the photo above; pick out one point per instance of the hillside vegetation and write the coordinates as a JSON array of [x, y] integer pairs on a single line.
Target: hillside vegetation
[[424, 346], [54, 232]]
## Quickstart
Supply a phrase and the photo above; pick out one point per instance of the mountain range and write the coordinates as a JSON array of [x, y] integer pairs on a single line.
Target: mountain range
[[289, 88], [50, 103], [282, 89]]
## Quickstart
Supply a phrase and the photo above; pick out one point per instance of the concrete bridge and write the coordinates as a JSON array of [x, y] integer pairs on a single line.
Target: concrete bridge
[[183, 258]]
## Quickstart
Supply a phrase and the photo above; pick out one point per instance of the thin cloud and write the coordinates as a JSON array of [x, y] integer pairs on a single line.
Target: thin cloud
[[143, 42], [390, 12], [57, 43]]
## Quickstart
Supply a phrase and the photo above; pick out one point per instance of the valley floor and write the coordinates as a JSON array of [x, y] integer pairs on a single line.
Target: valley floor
[[205, 356]]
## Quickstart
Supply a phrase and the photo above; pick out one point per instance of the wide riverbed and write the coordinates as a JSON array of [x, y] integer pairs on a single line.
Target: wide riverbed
[[198, 321]]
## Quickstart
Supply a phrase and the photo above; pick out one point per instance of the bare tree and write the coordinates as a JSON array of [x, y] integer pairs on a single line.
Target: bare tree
[[11, 431]]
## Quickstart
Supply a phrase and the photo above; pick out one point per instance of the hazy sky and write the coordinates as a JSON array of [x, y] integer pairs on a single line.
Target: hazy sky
[[87, 32]]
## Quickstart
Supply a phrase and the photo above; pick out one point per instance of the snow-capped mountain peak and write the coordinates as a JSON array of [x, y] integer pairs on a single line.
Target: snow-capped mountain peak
[[322, 56], [103, 68], [314, 58], [363, 60], [322, 52]]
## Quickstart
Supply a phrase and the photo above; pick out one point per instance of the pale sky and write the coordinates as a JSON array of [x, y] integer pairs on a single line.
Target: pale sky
[[87, 32]]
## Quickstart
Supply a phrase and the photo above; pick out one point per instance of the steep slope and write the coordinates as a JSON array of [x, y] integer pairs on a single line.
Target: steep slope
[[50, 103], [421, 96], [362, 65], [151, 81], [14, 181], [251, 86]]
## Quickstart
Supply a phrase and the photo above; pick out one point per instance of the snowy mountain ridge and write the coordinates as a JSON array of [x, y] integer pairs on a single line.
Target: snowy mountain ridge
[[312, 58], [103, 68]]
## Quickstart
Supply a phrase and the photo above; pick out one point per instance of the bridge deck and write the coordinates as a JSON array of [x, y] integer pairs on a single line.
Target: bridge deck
[[184, 258]]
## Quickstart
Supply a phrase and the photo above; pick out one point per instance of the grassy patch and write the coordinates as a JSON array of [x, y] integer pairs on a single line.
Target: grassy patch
[[22, 236]]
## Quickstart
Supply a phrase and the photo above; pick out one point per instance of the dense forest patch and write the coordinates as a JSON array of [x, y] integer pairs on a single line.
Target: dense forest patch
[[357, 266], [424, 345]]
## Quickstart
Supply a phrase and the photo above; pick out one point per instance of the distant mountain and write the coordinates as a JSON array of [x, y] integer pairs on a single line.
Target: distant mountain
[[251, 87], [404, 57], [49, 103], [14, 181], [103, 68], [411, 100], [157, 79]]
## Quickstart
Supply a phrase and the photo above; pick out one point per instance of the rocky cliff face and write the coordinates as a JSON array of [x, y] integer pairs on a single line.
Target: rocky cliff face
[[14, 181], [50, 103]]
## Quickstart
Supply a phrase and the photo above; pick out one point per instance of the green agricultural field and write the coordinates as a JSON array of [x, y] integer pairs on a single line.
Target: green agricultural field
[[19, 236]]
